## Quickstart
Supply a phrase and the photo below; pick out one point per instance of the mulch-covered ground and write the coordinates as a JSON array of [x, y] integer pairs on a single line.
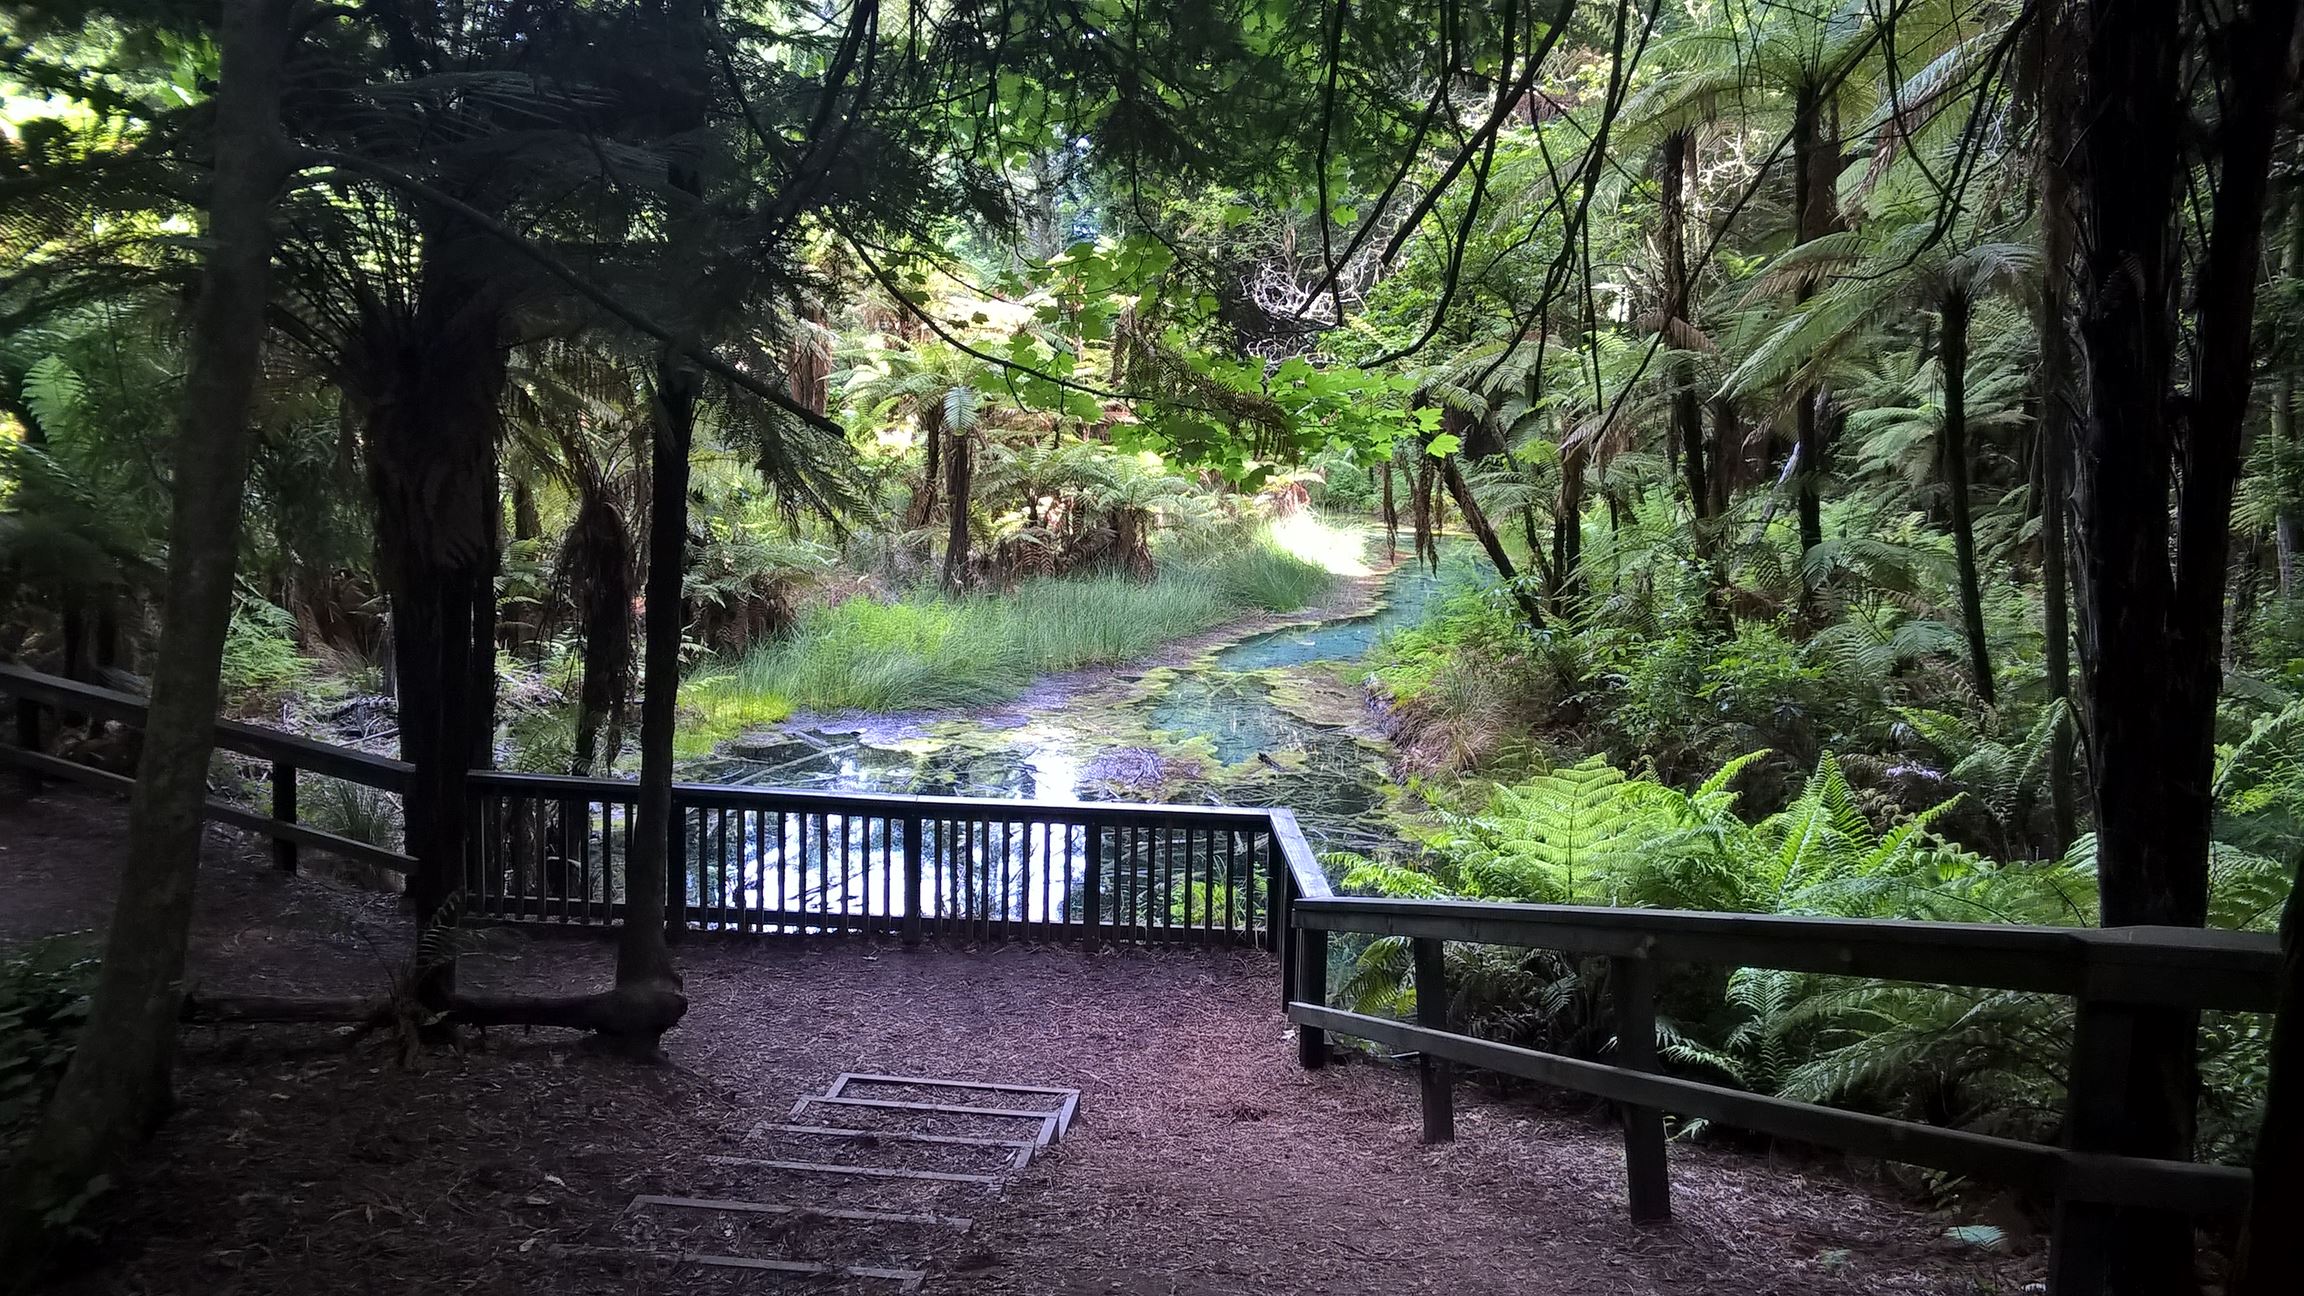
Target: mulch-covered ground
[[1204, 1160]]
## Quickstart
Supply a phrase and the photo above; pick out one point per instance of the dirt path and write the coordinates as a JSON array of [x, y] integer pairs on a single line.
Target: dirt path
[[1204, 1161]]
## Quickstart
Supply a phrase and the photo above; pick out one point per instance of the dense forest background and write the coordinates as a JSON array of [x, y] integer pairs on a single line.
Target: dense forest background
[[1876, 425]]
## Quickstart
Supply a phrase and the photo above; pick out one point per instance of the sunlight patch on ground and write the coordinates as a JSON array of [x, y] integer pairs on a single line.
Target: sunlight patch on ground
[[1339, 549]]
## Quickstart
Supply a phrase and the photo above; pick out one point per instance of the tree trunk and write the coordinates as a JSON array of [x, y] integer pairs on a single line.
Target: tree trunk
[[644, 967], [960, 466], [2149, 633], [1477, 518], [1672, 166], [1954, 355], [116, 1086], [432, 426]]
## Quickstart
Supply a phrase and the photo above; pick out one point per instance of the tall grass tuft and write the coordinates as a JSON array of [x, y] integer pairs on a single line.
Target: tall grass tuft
[[925, 652]]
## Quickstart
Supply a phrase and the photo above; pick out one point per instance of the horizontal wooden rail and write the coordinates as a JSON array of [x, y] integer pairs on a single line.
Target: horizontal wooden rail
[[224, 812], [2184, 966], [2120, 1181], [738, 796], [380, 772]]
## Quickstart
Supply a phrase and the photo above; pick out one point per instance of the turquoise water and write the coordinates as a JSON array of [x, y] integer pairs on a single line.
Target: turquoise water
[[1409, 592]]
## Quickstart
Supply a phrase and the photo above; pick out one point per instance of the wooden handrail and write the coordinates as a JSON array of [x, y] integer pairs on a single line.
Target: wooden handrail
[[734, 796], [2184, 966]]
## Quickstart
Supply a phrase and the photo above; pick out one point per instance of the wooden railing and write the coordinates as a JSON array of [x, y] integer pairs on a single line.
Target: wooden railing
[[2112, 974], [748, 859], [288, 755]]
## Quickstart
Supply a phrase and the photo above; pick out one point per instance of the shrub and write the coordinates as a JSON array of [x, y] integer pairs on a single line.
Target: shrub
[[44, 992], [1987, 1060], [260, 653]]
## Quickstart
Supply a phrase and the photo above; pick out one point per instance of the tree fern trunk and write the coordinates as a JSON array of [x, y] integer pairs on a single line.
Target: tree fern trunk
[[1672, 166], [2150, 632], [1954, 356], [2054, 78], [1477, 519], [1816, 156], [960, 471], [432, 420]]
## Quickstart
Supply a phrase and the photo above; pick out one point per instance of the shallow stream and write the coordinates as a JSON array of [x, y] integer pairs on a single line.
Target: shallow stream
[[1276, 718]]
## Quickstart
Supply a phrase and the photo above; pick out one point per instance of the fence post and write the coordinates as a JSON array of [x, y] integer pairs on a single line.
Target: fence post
[[28, 738], [1647, 1176], [1435, 1078], [2080, 1241], [284, 811], [912, 858], [1311, 986]]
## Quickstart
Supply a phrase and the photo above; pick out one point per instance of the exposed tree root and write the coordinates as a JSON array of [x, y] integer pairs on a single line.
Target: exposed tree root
[[629, 1018]]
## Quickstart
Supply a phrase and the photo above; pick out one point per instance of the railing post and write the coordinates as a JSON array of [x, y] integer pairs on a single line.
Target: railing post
[[912, 859], [1092, 885], [2080, 1241], [1311, 986], [28, 738], [1647, 1176], [284, 811], [1435, 1077]]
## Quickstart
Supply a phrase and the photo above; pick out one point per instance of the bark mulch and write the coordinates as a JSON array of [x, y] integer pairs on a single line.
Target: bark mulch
[[1203, 1160]]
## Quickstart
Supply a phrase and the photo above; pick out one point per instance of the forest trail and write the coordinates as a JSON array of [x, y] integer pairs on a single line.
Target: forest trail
[[1210, 1163]]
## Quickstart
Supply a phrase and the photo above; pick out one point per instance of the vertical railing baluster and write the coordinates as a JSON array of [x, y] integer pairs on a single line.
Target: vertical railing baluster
[[1091, 881], [676, 866], [912, 860]]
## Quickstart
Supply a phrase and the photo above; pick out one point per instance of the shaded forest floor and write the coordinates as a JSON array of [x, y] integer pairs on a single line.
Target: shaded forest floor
[[1204, 1160]]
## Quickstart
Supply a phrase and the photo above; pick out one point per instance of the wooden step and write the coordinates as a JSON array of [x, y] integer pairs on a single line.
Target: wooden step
[[865, 1172], [1022, 1149], [957, 1223]]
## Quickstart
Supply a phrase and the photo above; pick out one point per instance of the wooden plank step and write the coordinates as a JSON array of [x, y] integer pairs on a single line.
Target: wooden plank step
[[867, 1172], [908, 1279], [851, 1077], [957, 1223], [1067, 1108], [1022, 1147]]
